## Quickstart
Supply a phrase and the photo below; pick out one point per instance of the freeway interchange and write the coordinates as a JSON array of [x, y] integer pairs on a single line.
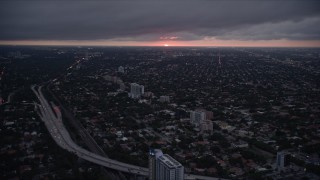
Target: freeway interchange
[[53, 121], [52, 117]]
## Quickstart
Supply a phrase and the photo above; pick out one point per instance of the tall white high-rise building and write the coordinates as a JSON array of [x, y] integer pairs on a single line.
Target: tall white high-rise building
[[197, 117], [168, 168], [164, 167], [136, 91], [153, 155]]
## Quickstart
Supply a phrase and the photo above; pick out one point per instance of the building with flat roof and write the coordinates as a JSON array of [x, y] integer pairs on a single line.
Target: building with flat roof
[[168, 168], [136, 90], [164, 167], [197, 116], [153, 155]]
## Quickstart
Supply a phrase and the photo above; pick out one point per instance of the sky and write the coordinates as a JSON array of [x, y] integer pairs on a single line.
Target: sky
[[267, 23]]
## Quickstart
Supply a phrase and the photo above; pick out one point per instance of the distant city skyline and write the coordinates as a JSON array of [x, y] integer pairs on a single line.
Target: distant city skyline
[[161, 23]]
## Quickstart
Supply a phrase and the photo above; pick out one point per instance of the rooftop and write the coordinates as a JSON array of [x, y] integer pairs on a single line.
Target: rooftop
[[169, 161]]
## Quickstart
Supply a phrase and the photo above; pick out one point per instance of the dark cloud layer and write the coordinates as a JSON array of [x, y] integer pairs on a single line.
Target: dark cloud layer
[[147, 20]]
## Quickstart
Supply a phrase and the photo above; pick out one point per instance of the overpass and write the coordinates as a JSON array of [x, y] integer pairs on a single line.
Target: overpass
[[52, 117]]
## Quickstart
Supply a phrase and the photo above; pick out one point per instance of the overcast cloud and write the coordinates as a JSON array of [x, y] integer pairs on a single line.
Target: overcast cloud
[[147, 20]]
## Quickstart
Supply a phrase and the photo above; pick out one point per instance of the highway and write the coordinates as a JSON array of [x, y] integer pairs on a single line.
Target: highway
[[52, 117], [81, 131], [86, 138], [53, 121]]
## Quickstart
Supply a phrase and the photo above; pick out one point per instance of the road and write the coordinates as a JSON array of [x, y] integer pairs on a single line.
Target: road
[[160, 135], [82, 132], [86, 138], [52, 117], [53, 121]]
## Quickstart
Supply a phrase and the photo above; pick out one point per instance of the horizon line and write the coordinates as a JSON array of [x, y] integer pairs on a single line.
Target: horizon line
[[166, 43], [158, 46]]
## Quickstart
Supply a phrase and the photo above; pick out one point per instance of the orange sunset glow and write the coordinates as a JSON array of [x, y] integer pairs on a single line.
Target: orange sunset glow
[[204, 43], [163, 24], [160, 89]]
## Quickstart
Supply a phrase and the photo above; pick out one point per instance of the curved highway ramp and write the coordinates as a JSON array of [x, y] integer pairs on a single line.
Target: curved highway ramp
[[51, 116]]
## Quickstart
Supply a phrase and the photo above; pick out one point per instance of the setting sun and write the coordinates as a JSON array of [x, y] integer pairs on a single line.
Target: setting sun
[[166, 45]]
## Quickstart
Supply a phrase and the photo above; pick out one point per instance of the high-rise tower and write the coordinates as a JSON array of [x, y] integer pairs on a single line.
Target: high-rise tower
[[136, 91], [164, 167]]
